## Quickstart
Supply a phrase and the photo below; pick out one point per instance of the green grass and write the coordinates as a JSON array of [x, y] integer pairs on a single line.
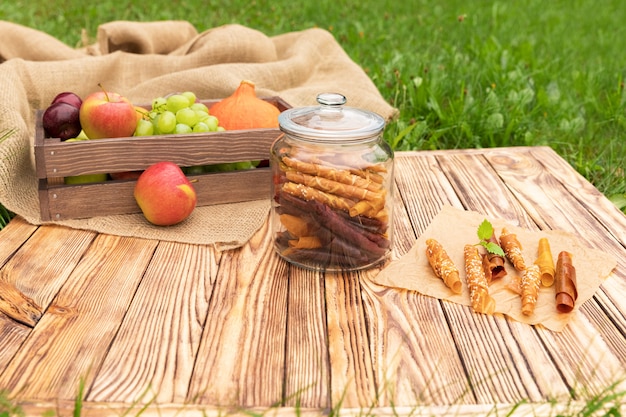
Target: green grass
[[464, 74]]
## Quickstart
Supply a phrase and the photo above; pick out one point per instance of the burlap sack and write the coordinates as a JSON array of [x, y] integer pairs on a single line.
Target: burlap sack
[[150, 59]]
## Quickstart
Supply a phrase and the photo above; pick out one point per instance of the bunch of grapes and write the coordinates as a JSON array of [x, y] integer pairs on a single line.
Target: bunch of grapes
[[180, 113], [175, 114]]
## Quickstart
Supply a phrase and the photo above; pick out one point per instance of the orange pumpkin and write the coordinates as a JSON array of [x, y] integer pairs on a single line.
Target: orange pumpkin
[[244, 110]]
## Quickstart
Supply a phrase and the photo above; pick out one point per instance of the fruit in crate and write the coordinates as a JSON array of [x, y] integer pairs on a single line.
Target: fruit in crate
[[164, 194], [244, 110], [87, 178], [106, 114], [69, 98], [176, 114], [62, 118]]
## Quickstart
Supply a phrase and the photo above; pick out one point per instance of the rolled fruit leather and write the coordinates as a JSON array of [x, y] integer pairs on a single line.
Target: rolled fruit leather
[[332, 188]]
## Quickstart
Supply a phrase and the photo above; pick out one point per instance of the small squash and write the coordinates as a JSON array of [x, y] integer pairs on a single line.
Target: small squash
[[244, 110]]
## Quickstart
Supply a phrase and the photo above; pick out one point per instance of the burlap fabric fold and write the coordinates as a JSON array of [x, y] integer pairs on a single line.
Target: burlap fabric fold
[[143, 60]]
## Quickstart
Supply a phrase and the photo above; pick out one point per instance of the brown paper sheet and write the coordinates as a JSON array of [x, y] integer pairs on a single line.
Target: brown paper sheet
[[455, 228]]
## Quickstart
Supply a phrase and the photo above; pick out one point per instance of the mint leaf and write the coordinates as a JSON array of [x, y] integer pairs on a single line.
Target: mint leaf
[[494, 248], [485, 230]]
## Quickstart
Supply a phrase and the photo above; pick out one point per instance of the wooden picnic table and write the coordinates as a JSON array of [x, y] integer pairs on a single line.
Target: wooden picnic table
[[154, 327]]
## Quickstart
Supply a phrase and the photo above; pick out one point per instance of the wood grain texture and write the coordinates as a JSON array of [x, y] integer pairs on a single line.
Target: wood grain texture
[[351, 371], [169, 312], [14, 235], [12, 335], [414, 356], [42, 264], [307, 377], [241, 357], [179, 328], [71, 338], [17, 306], [63, 159]]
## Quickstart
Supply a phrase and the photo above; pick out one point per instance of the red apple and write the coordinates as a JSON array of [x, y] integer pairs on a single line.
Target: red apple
[[164, 194], [61, 120], [69, 98], [107, 115]]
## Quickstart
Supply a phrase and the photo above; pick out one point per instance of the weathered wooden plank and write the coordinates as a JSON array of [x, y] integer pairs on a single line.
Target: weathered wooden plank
[[16, 305], [423, 189], [43, 263], [479, 188], [13, 235], [413, 353], [307, 368], [30, 278], [168, 311], [583, 191], [351, 372], [116, 197], [241, 357], [12, 335], [71, 339]]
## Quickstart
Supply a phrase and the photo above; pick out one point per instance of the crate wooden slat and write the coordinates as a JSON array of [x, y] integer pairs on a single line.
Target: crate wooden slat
[[55, 159]]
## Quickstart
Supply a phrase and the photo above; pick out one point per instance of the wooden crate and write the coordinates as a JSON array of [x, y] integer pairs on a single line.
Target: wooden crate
[[55, 160]]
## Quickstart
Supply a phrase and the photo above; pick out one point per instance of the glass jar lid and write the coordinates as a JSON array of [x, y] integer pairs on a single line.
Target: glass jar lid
[[331, 121]]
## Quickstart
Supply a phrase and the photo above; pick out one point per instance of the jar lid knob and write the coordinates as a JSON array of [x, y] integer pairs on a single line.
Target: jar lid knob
[[331, 99]]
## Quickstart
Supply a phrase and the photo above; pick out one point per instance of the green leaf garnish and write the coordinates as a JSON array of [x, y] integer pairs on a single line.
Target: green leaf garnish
[[484, 232], [494, 248]]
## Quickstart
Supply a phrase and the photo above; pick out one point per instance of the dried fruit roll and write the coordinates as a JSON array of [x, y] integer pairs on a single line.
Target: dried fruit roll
[[493, 264], [530, 289], [443, 266], [513, 249], [481, 301], [565, 283], [545, 262]]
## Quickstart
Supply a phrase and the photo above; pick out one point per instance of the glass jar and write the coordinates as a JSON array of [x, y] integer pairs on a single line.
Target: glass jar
[[332, 188]]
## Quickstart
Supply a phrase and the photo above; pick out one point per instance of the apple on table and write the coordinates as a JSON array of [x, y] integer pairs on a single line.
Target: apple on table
[[164, 194]]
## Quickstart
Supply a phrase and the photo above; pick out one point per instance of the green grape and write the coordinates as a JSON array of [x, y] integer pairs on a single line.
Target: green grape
[[244, 165], [212, 122], [159, 104], [193, 170], [154, 119], [182, 128], [202, 115], [191, 96], [199, 107], [220, 167], [166, 122], [187, 116], [176, 102], [144, 128], [201, 127], [221, 129]]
